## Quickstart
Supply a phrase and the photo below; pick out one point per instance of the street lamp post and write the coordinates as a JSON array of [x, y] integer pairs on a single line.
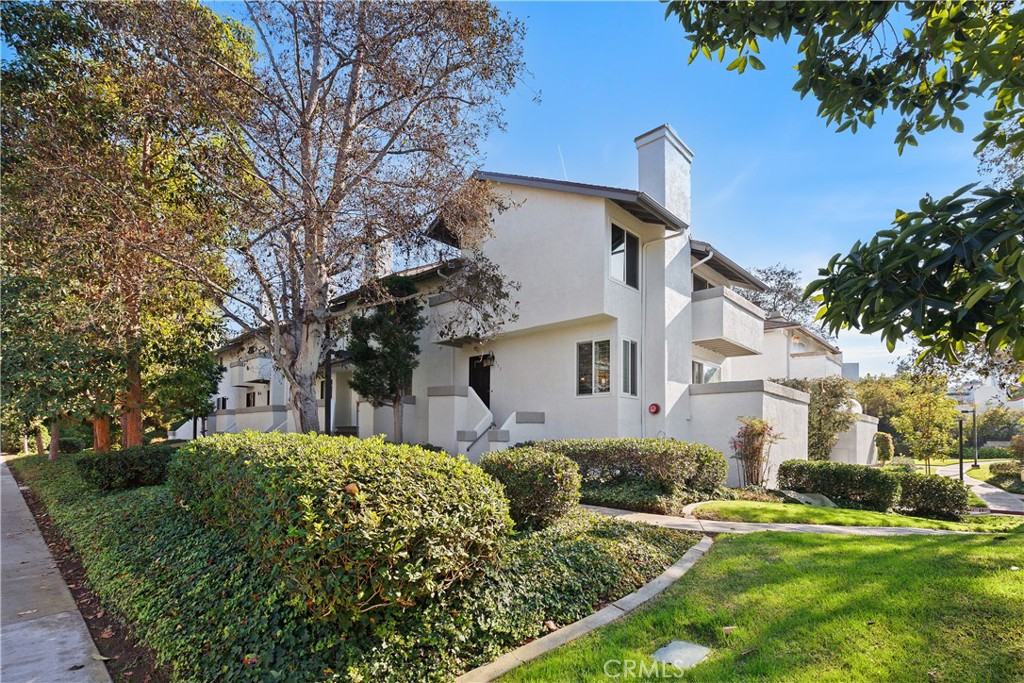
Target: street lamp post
[[960, 422]]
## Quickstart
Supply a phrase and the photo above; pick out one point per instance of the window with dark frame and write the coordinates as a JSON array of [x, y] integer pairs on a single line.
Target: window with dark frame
[[625, 257], [593, 367], [250, 399], [630, 367]]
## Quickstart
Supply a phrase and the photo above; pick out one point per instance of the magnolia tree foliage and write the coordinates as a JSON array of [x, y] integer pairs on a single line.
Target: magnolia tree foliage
[[951, 271], [358, 129], [384, 348]]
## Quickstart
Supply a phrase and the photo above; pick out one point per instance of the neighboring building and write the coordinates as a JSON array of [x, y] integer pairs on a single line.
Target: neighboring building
[[986, 394], [627, 327]]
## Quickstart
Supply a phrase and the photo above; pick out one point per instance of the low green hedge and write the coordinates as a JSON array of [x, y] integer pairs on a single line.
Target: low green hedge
[[932, 495], [862, 486], [355, 526], [541, 486], [665, 467], [211, 612], [993, 452], [127, 468], [1011, 468]]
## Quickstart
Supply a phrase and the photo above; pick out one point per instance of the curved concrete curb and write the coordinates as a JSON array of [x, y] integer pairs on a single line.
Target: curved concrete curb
[[688, 509], [617, 609]]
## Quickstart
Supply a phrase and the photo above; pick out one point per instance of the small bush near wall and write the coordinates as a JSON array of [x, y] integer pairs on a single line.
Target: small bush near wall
[[127, 468], [541, 486], [396, 523], [848, 485], [883, 447], [931, 495], [664, 466], [1017, 448]]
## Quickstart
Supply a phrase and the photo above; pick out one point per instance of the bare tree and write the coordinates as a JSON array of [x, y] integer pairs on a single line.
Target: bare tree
[[359, 130]]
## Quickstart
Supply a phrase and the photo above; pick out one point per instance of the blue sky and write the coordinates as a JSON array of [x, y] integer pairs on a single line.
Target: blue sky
[[771, 183]]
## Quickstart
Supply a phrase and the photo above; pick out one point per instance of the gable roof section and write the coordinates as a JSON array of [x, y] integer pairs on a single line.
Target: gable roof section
[[639, 204], [726, 267]]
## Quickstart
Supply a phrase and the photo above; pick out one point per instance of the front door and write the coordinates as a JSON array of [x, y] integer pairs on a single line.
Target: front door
[[480, 377]]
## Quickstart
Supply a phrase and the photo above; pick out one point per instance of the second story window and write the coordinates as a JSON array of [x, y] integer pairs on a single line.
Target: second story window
[[250, 399], [625, 257]]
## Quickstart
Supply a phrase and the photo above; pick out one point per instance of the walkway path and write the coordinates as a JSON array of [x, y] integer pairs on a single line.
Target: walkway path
[[995, 497], [717, 527], [43, 637]]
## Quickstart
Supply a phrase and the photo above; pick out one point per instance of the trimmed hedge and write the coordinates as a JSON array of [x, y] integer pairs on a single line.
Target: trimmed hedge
[[932, 495], [665, 463], [127, 468], [993, 452], [211, 612], [355, 526], [863, 486], [541, 486], [1010, 468]]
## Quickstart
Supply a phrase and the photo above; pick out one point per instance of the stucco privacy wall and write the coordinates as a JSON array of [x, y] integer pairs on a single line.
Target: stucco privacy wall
[[718, 407], [857, 444]]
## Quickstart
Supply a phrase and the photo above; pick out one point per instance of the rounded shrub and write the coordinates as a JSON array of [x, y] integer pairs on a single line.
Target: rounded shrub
[[902, 464], [127, 468], [541, 486], [932, 495], [355, 527], [863, 486], [70, 445], [1017, 448], [1006, 468]]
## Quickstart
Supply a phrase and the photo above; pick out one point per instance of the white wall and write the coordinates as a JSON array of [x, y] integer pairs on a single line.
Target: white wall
[[857, 444], [718, 407]]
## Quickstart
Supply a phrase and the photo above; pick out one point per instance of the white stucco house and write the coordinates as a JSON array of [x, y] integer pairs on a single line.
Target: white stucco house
[[628, 326]]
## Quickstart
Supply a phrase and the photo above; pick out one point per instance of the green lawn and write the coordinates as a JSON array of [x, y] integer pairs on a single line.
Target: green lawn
[[1006, 482], [825, 609], [790, 513]]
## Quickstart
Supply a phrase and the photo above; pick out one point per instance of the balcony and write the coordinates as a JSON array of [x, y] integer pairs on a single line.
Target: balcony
[[726, 323], [255, 370]]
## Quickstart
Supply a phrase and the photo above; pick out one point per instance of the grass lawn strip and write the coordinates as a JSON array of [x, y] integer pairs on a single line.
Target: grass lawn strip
[[825, 609], [789, 513], [1007, 482]]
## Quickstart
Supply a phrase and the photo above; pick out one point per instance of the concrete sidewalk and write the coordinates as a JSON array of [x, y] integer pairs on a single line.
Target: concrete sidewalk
[[43, 637], [716, 527], [995, 497]]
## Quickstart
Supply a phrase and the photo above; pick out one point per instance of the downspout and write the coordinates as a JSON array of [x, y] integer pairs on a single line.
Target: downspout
[[643, 329]]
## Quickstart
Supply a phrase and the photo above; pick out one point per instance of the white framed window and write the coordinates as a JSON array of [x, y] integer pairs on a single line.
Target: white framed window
[[624, 262], [593, 367], [706, 373], [630, 367], [250, 399]]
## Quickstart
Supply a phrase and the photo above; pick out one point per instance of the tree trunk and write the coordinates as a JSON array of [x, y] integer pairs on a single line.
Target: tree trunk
[[397, 409], [305, 401], [131, 420], [54, 439], [39, 441], [101, 433]]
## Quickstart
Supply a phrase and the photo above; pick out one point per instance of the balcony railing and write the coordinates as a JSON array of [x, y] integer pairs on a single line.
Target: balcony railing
[[726, 323]]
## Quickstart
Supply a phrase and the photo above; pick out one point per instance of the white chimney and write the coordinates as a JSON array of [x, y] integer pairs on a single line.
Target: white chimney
[[663, 162]]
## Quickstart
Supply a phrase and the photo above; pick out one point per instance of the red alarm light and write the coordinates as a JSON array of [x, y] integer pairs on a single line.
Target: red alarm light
[[654, 409]]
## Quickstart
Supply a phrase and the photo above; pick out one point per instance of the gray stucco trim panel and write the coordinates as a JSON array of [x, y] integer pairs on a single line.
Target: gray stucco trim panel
[[442, 298], [449, 390], [262, 409], [525, 417], [750, 386], [498, 436]]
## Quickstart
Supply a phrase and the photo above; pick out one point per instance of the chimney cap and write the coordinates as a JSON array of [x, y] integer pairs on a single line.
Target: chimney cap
[[664, 131]]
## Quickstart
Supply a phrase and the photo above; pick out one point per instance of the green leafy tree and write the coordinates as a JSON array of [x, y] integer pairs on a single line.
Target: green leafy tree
[[999, 423], [882, 396], [384, 348], [784, 294], [951, 271], [101, 144], [828, 413], [926, 419]]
